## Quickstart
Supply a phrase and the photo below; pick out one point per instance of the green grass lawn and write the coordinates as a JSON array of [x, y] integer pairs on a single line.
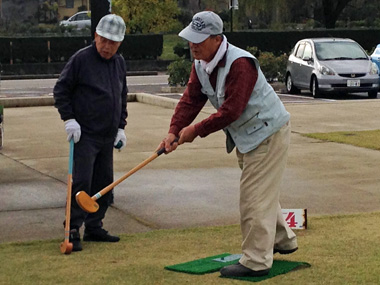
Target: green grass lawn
[[367, 139], [340, 249]]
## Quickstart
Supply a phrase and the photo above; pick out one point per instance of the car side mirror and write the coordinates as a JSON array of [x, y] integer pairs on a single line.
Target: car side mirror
[[308, 59]]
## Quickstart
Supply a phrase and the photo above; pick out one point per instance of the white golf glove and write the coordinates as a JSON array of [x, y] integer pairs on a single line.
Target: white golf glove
[[120, 137], [73, 130]]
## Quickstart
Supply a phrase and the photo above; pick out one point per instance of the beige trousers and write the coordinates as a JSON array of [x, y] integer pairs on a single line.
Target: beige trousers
[[262, 223]]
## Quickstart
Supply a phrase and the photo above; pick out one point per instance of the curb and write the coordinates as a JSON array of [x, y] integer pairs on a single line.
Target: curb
[[27, 101], [156, 100], [48, 100], [52, 76]]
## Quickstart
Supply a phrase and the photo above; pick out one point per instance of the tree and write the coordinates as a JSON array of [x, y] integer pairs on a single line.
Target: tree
[[364, 13], [332, 11], [263, 13], [148, 16], [49, 11], [274, 13]]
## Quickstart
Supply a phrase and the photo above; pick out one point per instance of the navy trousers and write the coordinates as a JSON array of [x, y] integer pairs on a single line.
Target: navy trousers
[[92, 171]]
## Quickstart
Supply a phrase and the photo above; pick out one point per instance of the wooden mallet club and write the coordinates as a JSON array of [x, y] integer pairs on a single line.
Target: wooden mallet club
[[88, 203], [66, 246]]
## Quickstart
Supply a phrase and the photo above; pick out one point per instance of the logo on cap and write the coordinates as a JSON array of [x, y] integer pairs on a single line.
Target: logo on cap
[[198, 24]]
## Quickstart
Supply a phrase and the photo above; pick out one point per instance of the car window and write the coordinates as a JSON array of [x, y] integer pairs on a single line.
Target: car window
[[308, 53], [300, 50], [339, 51], [81, 17]]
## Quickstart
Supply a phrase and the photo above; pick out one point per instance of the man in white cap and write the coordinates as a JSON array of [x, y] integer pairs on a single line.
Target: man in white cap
[[91, 98], [255, 121]]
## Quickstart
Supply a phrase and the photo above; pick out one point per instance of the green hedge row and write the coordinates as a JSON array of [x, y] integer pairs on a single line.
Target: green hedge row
[[59, 49], [280, 42]]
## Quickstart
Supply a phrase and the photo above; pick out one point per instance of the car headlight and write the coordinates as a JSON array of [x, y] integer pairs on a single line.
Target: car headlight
[[374, 69], [325, 70]]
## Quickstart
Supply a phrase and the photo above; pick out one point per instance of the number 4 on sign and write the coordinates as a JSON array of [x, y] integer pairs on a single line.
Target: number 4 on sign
[[291, 220], [296, 218]]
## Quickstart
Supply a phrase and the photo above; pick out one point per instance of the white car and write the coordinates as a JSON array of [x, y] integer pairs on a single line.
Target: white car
[[79, 20]]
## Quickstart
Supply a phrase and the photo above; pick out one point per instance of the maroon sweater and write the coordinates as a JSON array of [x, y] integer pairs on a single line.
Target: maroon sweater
[[240, 82]]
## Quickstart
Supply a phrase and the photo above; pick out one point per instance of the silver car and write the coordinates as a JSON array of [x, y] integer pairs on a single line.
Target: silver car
[[337, 65], [79, 20]]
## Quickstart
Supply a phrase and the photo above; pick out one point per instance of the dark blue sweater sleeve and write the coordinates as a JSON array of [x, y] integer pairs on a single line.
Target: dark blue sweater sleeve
[[63, 90], [124, 93]]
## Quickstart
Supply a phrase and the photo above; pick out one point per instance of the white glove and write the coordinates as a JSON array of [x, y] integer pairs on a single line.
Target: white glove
[[73, 130], [120, 137]]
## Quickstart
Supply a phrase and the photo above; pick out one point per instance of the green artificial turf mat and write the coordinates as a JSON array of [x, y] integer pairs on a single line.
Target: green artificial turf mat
[[205, 265], [215, 263], [279, 267]]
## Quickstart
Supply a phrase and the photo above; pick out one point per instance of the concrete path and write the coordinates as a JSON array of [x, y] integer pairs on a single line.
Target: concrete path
[[197, 185]]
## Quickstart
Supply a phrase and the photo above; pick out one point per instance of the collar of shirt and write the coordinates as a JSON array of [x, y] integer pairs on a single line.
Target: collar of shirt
[[213, 75]]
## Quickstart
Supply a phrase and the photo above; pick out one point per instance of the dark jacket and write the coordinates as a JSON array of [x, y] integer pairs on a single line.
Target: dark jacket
[[93, 91]]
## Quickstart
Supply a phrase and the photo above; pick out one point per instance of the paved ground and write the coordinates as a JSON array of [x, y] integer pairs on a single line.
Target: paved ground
[[195, 186]]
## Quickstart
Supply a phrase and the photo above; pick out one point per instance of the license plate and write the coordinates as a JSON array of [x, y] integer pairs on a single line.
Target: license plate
[[353, 83]]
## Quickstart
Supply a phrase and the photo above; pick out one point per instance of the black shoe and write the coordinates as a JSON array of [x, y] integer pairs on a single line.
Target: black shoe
[[238, 270], [75, 240], [99, 235], [284, 251]]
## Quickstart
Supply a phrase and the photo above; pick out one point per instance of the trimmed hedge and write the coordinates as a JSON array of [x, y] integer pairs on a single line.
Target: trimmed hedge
[[136, 47], [142, 46], [36, 49], [61, 49], [280, 42]]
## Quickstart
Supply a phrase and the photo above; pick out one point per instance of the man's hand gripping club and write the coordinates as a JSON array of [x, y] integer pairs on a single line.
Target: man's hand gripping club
[[187, 134]]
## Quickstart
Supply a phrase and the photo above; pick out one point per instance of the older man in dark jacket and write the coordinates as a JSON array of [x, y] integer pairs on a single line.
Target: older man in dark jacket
[[91, 97]]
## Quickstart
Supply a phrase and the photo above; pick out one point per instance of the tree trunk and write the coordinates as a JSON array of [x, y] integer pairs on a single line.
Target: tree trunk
[[332, 11]]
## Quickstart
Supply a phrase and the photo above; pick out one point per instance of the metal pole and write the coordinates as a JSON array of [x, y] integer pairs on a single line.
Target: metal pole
[[48, 46], [1, 126], [11, 53], [231, 16], [99, 8]]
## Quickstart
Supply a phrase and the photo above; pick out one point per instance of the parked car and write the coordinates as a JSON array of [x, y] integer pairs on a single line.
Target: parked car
[[337, 65], [375, 56], [79, 20]]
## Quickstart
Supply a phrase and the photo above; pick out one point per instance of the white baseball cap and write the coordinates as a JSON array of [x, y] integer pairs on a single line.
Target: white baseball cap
[[203, 25], [111, 27]]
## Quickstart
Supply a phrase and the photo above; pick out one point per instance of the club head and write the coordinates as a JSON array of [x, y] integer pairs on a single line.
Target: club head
[[86, 203], [66, 247]]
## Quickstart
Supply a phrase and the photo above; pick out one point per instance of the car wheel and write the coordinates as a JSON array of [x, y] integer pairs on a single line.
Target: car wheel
[[372, 94], [290, 88], [314, 87]]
